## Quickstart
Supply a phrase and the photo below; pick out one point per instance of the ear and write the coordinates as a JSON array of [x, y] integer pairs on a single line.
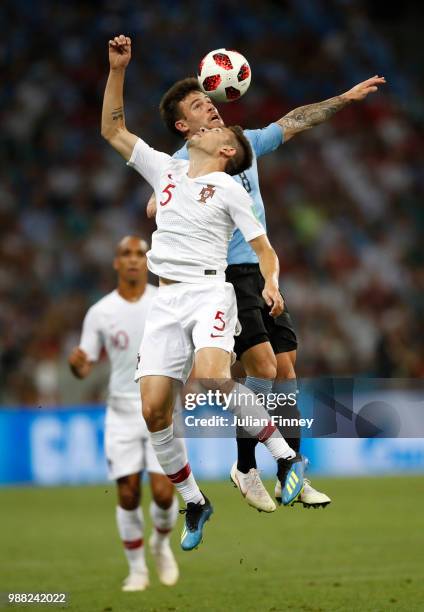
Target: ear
[[115, 264], [228, 151], [182, 127]]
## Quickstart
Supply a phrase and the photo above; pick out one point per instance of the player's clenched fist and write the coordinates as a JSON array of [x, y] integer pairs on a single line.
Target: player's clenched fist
[[119, 52]]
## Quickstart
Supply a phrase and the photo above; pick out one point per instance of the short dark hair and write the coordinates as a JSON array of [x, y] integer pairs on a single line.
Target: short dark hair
[[242, 160], [143, 243], [169, 104]]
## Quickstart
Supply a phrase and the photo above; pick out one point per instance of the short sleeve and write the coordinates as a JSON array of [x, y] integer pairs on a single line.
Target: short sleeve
[[181, 153], [241, 210], [91, 339], [148, 162], [266, 139]]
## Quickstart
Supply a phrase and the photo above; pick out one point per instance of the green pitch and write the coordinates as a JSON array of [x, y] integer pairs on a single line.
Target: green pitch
[[363, 552]]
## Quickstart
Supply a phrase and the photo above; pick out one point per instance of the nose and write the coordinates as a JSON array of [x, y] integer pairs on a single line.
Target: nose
[[203, 129]]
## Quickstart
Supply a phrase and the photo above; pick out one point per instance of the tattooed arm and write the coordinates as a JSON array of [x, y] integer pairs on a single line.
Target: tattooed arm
[[113, 118], [305, 117]]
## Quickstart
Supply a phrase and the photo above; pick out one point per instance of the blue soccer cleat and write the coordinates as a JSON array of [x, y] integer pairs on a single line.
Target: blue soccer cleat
[[291, 476], [196, 516]]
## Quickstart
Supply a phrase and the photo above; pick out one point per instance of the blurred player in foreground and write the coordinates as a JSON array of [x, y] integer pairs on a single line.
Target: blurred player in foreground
[[116, 323], [194, 314], [266, 346]]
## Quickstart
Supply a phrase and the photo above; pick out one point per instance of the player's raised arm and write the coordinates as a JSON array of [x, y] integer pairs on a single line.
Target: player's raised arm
[[113, 118], [305, 117], [270, 270]]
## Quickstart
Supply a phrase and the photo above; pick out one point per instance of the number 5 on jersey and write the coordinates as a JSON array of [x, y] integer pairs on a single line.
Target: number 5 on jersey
[[168, 193], [219, 327]]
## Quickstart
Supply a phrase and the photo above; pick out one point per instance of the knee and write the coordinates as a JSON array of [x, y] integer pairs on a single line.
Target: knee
[[129, 496], [285, 366], [149, 412], [286, 372], [260, 362], [156, 415], [263, 368], [157, 400], [212, 373], [163, 494]]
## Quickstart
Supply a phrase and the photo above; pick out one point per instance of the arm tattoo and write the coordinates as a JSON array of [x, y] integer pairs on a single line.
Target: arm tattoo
[[305, 117], [118, 113]]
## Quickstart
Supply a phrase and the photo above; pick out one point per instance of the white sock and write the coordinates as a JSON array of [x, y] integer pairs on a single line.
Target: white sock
[[172, 456], [130, 527], [163, 519], [249, 405], [279, 448]]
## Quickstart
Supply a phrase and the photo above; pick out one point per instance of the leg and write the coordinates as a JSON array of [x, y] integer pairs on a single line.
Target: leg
[[256, 337], [212, 368], [257, 357], [212, 365], [124, 452], [129, 517], [158, 396], [164, 513], [260, 365], [286, 383]]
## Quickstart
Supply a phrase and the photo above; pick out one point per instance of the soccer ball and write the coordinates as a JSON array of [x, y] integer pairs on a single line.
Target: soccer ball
[[224, 75]]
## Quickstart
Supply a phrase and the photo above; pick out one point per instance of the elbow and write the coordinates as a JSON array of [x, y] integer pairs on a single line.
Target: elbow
[[111, 132], [107, 133]]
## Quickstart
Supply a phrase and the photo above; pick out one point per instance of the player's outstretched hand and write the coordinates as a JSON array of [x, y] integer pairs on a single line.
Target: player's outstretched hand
[[273, 298], [361, 90], [119, 52]]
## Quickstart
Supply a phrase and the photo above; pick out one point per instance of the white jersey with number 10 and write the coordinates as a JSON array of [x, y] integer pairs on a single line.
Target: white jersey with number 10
[[117, 325]]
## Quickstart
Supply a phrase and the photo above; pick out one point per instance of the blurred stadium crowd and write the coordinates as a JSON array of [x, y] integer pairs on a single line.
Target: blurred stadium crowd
[[344, 201]]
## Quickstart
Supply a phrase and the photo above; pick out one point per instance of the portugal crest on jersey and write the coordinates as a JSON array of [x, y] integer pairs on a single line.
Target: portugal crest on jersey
[[207, 192]]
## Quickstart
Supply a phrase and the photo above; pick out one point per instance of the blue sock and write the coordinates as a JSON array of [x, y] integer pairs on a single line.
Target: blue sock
[[246, 445]]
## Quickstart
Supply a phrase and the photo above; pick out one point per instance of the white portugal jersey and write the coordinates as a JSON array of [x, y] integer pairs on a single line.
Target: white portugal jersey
[[117, 325], [195, 217]]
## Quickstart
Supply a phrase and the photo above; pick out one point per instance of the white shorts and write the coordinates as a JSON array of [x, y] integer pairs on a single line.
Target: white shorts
[[127, 442], [184, 318]]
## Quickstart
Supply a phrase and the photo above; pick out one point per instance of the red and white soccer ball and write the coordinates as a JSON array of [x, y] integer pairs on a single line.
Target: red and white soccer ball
[[224, 75]]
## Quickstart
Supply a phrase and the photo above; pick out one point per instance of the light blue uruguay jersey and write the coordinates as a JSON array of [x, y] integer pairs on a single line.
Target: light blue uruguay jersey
[[262, 141]]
